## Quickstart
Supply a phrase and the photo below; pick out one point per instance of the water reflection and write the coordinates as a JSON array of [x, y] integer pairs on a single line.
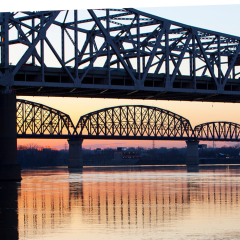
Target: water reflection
[[8, 210], [132, 201], [193, 168], [121, 200], [43, 203]]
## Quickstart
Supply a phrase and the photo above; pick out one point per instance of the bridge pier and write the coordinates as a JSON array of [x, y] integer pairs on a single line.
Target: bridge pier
[[192, 159], [75, 159], [9, 169]]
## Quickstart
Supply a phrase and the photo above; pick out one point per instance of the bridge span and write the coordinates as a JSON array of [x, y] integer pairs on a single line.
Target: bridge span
[[34, 120], [112, 53], [137, 122], [116, 53]]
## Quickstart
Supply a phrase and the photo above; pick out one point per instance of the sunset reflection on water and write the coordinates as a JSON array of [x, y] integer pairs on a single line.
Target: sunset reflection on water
[[129, 203]]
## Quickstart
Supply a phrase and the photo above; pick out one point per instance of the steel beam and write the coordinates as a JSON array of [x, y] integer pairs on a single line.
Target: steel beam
[[123, 51]]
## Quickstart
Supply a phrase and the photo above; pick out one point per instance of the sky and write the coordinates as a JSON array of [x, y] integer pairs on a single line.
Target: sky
[[211, 14]]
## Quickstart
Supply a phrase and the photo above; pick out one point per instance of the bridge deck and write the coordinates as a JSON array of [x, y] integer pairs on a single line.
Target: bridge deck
[[103, 137], [96, 85]]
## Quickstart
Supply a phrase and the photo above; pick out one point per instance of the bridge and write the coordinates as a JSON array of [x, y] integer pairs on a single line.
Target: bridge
[[34, 120], [112, 53], [123, 52], [137, 122]]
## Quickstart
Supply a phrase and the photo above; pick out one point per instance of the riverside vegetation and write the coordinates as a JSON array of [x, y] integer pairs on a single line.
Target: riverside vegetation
[[31, 156]]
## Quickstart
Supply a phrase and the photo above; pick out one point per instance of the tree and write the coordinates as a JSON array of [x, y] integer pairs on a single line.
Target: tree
[[32, 146]]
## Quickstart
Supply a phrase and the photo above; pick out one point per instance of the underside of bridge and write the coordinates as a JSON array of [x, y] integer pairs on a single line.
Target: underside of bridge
[[95, 85]]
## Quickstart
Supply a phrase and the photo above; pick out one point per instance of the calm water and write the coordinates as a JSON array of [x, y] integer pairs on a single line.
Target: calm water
[[122, 203]]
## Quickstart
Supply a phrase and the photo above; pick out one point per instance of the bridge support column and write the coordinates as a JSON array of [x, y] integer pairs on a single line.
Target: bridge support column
[[192, 159], [9, 169], [75, 159], [9, 210]]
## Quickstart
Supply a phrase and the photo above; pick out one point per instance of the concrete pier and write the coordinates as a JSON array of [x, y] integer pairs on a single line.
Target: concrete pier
[[192, 159], [75, 159], [9, 169]]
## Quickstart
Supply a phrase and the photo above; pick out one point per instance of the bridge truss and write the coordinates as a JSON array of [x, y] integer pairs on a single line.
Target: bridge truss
[[134, 122], [218, 131], [123, 53], [35, 120]]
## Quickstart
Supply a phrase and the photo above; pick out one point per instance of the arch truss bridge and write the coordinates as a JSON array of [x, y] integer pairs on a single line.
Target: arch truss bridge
[[34, 120]]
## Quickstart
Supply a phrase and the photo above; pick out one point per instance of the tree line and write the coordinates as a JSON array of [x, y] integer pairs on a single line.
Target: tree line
[[31, 156]]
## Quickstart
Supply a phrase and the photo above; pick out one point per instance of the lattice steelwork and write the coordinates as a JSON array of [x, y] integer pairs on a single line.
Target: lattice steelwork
[[116, 53], [134, 122], [34, 120], [218, 131]]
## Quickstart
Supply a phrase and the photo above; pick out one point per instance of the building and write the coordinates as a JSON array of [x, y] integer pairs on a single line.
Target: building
[[122, 154]]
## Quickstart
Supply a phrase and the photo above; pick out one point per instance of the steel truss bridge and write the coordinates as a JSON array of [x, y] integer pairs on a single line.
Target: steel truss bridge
[[34, 120], [116, 53]]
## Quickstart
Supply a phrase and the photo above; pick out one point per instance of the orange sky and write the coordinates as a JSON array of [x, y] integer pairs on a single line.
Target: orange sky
[[196, 112]]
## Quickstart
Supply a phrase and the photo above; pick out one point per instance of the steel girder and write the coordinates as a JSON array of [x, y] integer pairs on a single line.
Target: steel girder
[[218, 131], [155, 54], [34, 120]]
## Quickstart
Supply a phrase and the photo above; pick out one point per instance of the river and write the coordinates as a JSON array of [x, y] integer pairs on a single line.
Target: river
[[122, 203]]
